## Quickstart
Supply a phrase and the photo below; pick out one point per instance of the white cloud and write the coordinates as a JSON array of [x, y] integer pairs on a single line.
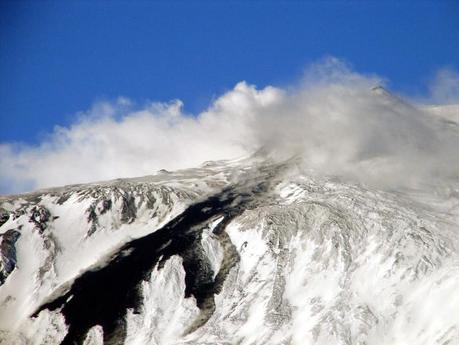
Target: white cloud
[[113, 140], [333, 119], [444, 88]]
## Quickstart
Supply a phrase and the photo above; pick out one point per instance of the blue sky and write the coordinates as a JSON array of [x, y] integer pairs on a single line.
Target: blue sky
[[58, 58]]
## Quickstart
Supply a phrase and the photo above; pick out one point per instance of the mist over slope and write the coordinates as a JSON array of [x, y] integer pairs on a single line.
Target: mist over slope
[[337, 120]]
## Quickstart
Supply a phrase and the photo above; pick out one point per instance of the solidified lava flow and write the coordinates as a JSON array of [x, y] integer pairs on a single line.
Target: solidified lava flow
[[102, 296]]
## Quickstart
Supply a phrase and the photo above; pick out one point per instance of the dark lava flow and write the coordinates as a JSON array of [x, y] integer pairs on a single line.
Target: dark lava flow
[[102, 296]]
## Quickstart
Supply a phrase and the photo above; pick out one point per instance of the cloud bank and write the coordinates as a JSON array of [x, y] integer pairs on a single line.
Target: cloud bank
[[334, 119]]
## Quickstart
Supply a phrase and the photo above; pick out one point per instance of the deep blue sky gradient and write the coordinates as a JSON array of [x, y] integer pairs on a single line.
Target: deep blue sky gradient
[[58, 58]]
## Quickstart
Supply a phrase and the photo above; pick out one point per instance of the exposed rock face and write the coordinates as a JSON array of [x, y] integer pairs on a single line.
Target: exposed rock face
[[4, 216], [7, 253], [246, 252], [129, 210], [40, 217]]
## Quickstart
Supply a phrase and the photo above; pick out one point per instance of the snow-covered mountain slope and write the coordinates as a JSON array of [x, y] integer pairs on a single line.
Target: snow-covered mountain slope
[[234, 252]]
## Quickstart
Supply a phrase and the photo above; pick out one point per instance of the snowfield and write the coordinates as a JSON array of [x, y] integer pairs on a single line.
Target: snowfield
[[234, 252]]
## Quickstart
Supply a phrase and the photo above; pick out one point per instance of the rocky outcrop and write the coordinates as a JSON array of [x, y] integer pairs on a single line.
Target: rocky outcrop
[[4, 216], [7, 253], [40, 217], [129, 209]]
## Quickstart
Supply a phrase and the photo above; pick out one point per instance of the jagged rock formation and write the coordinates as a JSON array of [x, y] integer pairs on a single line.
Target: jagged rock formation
[[238, 252], [4, 216], [7, 253]]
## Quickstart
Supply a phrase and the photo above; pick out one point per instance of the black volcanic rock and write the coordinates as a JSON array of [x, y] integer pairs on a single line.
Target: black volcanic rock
[[7, 253]]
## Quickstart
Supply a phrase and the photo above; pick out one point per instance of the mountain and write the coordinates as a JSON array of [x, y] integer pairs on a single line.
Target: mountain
[[249, 251]]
